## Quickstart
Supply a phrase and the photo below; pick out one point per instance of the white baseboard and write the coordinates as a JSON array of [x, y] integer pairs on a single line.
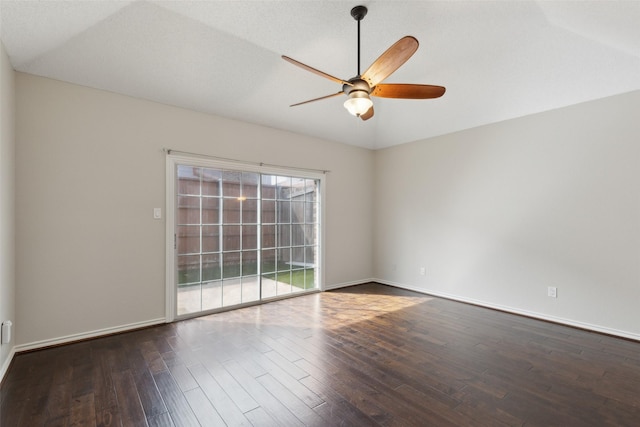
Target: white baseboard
[[5, 366], [123, 328], [536, 315], [346, 284], [86, 335]]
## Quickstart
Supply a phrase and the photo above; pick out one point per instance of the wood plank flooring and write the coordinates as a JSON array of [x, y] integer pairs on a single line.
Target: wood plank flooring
[[367, 355]]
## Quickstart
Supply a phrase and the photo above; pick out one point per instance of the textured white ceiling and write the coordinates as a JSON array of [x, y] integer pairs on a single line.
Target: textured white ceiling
[[498, 60]]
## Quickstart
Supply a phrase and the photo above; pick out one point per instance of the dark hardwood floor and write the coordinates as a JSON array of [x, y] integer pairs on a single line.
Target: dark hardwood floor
[[362, 356]]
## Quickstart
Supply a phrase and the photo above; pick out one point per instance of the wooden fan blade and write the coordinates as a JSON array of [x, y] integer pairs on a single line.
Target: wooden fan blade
[[318, 72], [407, 91], [368, 114], [317, 99], [390, 60]]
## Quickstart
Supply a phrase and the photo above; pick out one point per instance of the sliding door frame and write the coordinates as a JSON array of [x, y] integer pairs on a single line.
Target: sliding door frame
[[172, 162]]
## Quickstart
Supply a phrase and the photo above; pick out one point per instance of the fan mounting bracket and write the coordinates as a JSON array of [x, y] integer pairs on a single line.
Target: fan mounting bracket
[[359, 12]]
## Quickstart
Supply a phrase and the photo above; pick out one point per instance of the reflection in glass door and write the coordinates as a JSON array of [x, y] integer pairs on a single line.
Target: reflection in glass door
[[242, 237]]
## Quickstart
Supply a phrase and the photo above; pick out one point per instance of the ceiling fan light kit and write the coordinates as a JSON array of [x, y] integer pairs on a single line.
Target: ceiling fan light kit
[[360, 88], [358, 103]]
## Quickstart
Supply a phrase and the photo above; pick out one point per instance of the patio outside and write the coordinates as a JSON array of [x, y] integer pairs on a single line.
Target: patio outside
[[212, 295]]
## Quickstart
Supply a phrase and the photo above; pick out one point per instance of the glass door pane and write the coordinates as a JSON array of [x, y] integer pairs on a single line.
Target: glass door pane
[[289, 234], [242, 237]]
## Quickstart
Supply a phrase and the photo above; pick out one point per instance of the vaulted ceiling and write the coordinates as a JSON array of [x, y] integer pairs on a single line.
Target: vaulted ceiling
[[498, 60]]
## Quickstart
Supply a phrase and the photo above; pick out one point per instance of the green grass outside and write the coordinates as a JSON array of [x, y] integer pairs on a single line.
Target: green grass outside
[[296, 278], [281, 273]]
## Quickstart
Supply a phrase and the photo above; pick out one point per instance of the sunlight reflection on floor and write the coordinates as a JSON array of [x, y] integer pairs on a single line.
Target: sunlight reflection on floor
[[325, 310]]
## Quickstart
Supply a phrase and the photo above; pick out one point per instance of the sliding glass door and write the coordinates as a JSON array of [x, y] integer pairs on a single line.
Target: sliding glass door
[[241, 236], [289, 230]]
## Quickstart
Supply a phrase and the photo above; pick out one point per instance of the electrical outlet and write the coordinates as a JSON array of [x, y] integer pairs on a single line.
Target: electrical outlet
[[552, 292], [423, 271]]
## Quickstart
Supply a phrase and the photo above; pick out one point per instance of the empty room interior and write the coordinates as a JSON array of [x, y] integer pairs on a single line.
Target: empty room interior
[[320, 213]]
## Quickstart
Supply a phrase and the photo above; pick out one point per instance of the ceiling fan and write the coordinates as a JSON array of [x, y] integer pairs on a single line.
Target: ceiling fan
[[359, 88]]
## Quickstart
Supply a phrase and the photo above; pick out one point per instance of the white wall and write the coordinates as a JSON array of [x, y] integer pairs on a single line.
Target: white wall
[[90, 170], [495, 214], [498, 213], [7, 202]]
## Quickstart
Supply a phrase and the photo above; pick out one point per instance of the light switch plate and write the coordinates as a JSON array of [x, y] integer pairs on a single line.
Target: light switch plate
[[157, 213]]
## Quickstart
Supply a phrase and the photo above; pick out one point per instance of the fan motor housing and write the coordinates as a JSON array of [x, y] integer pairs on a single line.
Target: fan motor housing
[[358, 85]]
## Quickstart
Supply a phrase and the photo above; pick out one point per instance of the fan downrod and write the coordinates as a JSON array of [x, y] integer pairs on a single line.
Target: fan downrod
[[359, 12]]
